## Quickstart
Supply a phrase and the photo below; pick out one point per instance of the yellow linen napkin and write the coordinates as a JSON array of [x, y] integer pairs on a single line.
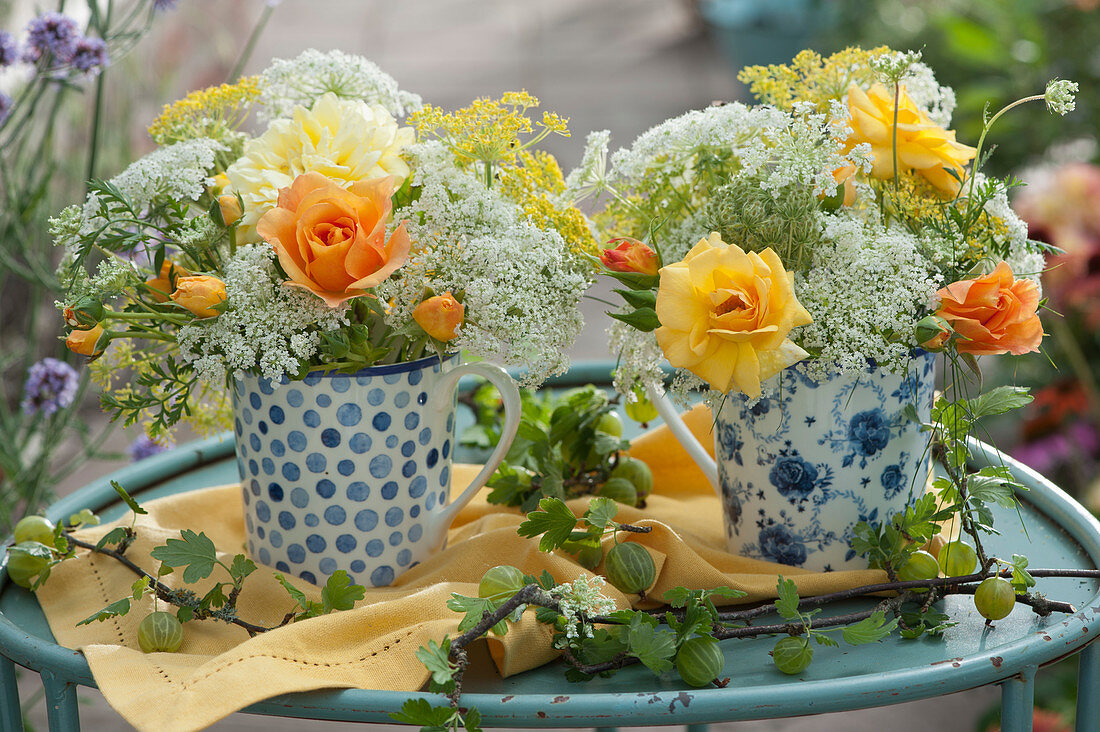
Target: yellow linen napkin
[[219, 669]]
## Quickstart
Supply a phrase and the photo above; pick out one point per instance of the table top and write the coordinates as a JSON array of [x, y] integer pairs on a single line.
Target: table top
[[1052, 530]]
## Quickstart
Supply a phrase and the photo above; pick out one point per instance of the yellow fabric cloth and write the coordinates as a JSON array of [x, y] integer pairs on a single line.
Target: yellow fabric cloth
[[220, 669]]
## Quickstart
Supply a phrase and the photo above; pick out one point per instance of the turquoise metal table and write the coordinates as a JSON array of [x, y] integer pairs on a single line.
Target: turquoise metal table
[[1055, 532]]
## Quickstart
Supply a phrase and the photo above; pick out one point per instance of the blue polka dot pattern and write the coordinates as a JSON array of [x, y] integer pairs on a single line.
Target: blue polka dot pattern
[[343, 472]]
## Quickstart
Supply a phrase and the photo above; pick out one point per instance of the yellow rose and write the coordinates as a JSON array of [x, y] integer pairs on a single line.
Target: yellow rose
[[440, 316], [725, 315], [345, 140], [922, 146]]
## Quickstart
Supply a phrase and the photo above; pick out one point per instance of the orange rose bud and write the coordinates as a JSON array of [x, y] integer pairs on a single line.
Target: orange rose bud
[[199, 294], [84, 341], [440, 316], [230, 208], [994, 313], [932, 332], [162, 284], [630, 256]]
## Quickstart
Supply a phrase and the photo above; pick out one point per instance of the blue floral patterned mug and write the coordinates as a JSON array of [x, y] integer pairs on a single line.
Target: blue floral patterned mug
[[353, 471], [797, 471]]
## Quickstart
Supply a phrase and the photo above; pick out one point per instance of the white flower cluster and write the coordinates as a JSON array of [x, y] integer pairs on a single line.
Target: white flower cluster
[[521, 288], [799, 148], [867, 287], [288, 83], [178, 172], [581, 596], [267, 324], [590, 177]]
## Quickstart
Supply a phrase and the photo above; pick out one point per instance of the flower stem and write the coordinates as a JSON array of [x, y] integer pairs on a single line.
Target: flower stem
[[985, 131], [250, 45]]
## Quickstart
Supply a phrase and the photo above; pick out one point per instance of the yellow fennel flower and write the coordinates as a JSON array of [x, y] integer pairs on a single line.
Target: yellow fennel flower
[[214, 112], [725, 315], [922, 145], [346, 141]]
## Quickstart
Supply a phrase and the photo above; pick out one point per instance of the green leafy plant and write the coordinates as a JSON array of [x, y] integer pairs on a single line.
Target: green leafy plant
[[567, 446]]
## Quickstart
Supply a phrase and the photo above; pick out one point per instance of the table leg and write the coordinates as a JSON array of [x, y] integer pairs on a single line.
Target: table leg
[[11, 716], [61, 709], [1018, 701], [1088, 688]]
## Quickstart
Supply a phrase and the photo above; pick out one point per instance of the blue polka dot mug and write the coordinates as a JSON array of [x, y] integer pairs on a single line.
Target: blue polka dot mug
[[352, 471], [798, 470]]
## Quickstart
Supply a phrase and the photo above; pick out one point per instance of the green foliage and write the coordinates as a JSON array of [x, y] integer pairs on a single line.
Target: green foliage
[[655, 648], [560, 450], [338, 594], [553, 520], [436, 658], [194, 552], [130, 502], [420, 712]]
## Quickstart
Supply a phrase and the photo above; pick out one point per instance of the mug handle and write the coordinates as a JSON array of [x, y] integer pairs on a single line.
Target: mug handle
[[509, 395], [686, 438]]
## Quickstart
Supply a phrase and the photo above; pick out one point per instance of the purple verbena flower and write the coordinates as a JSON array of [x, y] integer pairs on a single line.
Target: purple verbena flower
[[89, 55], [50, 385], [5, 107], [9, 49], [145, 446], [50, 34], [162, 5]]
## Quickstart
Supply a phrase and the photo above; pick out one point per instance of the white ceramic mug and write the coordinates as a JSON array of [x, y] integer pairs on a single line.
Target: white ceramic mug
[[352, 471]]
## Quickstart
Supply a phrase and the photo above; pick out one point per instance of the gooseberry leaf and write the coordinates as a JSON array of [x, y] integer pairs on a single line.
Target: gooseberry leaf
[[114, 610], [115, 536], [241, 567], [654, 648], [339, 593], [195, 552], [787, 603], [421, 713], [601, 512], [127, 499], [553, 520], [869, 630], [1021, 578], [476, 608], [436, 658]]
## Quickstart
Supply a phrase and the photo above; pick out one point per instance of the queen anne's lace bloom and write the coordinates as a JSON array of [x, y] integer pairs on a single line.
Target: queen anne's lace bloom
[[346, 141], [290, 83], [582, 596], [267, 327]]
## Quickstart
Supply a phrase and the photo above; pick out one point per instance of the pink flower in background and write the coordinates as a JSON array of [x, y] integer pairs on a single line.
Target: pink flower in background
[[1062, 208]]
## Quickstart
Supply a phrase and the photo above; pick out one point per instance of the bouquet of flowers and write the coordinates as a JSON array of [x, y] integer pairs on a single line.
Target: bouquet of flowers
[[334, 239], [838, 222]]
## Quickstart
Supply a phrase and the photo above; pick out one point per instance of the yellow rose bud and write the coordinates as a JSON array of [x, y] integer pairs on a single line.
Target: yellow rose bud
[[161, 285], [440, 316], [231, 209], [199, 294], [84, 341]]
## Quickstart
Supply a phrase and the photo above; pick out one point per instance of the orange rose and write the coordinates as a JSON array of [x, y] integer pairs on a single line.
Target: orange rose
[[440, 316], [994, 313], [630, 256], [84, 341], [200, 294], [161, 285], [333, 241]]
